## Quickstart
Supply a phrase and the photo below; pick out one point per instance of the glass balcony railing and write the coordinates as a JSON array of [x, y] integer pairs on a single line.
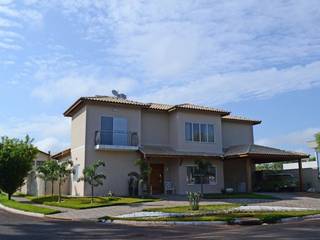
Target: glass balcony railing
[[116, 138]]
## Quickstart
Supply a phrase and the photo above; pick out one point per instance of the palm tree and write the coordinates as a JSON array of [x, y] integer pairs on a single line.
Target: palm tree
[[202, 171], [48, 172], [91, 176], [64, 170]]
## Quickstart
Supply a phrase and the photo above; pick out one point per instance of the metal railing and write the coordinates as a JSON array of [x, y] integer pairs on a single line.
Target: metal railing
[[116, 138]]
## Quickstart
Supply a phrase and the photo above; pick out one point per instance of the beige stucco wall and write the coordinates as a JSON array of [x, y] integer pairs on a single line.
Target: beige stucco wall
[[78, 136], [118, 164], [235, 172], [179, 130], [236, 133], [154, 128]]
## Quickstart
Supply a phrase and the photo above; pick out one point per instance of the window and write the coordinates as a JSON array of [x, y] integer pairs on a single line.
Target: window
[[76, 170], [204, 132], [196, 132], [114, 131], [199, 132], [210, 133], [193, 176], [188, 131]]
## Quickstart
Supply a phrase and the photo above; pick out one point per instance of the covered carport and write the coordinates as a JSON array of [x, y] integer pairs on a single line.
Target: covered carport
[[240, 160]]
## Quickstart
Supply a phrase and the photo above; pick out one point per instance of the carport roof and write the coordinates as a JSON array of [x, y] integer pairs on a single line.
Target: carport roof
[[164, 151], [258, 151]]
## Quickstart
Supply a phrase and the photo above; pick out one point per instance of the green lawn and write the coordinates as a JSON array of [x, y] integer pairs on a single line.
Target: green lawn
[[25, 206], [266, 217], [186, 209], [85, 202], [238, 195]]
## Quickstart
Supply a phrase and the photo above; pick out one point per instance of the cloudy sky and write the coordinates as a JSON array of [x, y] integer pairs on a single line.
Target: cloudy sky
[[260, 59]]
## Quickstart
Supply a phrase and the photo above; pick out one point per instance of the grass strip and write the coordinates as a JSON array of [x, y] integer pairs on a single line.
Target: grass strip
[[85, 202], [238, 196], [186, 209], [25, 206]]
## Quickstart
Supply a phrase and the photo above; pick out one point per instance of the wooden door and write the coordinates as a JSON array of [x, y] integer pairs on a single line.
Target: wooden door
[[156, 178]]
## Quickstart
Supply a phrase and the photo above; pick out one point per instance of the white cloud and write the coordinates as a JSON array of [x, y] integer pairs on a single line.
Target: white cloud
[[231, 87], [292, 140], [49, 132], [75, 85]]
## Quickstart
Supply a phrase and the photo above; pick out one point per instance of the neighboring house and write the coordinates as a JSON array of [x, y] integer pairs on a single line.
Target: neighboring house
[[34, 185], [170, 138], [311, 175]]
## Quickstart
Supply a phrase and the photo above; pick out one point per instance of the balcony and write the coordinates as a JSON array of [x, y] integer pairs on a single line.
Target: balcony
[[116, 140]]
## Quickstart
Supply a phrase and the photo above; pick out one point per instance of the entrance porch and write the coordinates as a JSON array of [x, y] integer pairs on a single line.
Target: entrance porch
[[171, 171]]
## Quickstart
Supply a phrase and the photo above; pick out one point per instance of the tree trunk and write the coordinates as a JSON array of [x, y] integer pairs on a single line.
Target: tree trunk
[[92, 194], [59, 197], [9, 196], [52, 188]]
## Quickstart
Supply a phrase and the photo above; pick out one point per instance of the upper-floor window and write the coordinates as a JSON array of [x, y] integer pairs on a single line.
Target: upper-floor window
[[114, 131], [199, 132]]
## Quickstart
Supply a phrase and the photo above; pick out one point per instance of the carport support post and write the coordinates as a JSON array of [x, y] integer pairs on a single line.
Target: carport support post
[[300, 176], [249, 175]]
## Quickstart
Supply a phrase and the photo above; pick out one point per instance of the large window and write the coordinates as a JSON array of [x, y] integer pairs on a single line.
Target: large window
[[114, 131], [199, 132], [193, 176]]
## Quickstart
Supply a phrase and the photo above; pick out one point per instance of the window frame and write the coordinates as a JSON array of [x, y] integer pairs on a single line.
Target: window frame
[[209, 183], [192, 139]]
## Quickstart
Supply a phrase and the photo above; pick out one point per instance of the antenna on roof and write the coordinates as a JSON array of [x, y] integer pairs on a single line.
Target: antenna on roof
[[119, 95], [115, 93]]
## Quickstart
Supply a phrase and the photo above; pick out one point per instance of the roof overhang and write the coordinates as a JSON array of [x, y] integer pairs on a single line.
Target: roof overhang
[[169, 153]]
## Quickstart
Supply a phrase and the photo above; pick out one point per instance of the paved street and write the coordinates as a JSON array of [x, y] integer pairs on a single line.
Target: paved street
[[18, 227]]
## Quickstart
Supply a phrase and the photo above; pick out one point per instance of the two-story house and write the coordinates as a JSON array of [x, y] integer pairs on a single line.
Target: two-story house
[[170, 138]]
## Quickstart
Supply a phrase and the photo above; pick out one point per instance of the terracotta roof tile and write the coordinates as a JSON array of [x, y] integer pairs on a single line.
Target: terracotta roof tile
[[253, 149], [243, 119]]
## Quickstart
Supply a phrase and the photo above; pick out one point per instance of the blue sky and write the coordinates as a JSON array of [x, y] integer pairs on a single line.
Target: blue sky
[[259, 59]]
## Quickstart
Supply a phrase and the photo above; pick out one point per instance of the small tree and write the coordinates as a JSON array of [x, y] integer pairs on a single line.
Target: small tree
[[145, 171], [48, 171], [16, 160], [202, 171], [64, 170], [91, 176], [317, 136]]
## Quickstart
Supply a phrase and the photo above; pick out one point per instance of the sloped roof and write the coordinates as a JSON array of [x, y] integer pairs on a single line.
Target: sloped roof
[[258, 150], [62, 154], [151, 106], [241, 119], [162, 151]]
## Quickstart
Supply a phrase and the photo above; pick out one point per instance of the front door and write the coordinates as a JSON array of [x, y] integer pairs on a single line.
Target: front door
[[156, 178]]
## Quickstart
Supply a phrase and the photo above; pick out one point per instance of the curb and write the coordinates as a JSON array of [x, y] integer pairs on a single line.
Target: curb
[[31, 214], [159, 223], [197, 223]]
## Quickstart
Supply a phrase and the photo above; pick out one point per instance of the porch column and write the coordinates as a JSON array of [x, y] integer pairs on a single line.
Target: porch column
[[248, 175], [300, 176]]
